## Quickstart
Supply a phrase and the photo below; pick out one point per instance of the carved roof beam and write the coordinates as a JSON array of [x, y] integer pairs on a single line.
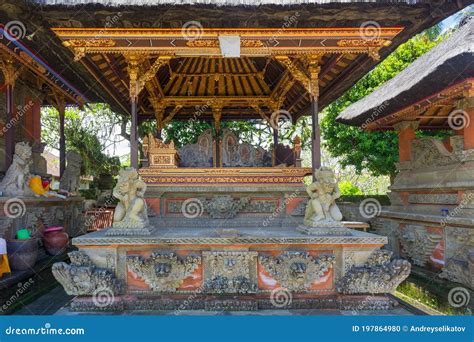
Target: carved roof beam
[[294, 70], [149, 75], [262, 114], [139, 79], [9, 70], [314, 70], [159, 109], [217, 114], [171, 115], [284, 80]]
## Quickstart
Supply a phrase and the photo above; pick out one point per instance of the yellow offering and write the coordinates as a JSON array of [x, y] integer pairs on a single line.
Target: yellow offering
[[36, 184], [4, 265]]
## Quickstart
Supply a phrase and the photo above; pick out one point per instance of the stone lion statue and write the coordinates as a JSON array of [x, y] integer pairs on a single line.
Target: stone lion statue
[[131, 211], [16, 180], [322, 208], [70, 180]]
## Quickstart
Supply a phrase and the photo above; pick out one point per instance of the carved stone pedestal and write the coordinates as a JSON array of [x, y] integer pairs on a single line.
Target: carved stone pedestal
[[253, 269]]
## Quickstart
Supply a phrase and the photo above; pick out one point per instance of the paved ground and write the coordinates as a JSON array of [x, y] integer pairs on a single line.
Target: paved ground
[[56, 302], [48, 304]]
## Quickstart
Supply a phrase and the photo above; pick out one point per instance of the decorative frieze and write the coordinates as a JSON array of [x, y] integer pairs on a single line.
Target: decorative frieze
[[418, 243], [261, 206], [163, 272], [433, 198], [378, 275], [81, 277], [230, 271], [296, 271], [225, 207], [430, 152], [459, 265]]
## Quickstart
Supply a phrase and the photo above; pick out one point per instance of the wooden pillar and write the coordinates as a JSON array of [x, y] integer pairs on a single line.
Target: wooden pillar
[[314, 70], [60, 105], [217, 115], [316, 135], [275, 137], [275, 143], [406, 134], [10, 74], [134, 88], [134, 135], [62, 139], [36, 112], [9, 127]]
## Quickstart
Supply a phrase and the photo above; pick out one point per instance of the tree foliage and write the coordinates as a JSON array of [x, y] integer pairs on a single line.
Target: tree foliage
[[91, 132], [376, 152]]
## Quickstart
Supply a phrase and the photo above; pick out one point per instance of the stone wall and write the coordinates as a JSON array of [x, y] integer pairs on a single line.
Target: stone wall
[[27, 213], [431, 217]]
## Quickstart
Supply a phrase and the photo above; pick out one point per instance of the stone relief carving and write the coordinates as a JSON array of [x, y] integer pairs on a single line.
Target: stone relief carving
[[388, 228], [348, 260], [417, 243], [428, 152], [15, 182], [262, 206], [225, 207], [235, 154], [230, 271], [378, 275], [322, 209], [131, 211], [300, 208], [199, 154], [459, 256], [296, 271], [70, 181], [81, 277], [163, 272], [433, 198]]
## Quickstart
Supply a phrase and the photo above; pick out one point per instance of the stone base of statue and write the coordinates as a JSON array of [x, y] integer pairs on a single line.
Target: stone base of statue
[[324, 227], [326, 231], [115, 231], [231, 269]]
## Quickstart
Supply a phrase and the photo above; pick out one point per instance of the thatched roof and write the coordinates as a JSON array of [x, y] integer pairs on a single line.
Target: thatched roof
[[445, 65], [115, 3]]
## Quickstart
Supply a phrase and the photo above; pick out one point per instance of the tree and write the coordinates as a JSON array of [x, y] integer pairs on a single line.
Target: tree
[[376, 152], [91, 132]]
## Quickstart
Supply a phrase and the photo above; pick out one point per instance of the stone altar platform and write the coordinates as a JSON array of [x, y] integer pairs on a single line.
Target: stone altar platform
[[252, 196], [238, 269]]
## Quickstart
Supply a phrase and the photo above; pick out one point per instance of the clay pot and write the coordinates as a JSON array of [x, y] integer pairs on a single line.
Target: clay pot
[[22, 254], [55, 240]]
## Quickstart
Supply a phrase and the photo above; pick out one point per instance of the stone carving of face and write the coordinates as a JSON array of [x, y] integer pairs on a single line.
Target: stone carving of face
[[162, 269], [23, 151], [298, 270]]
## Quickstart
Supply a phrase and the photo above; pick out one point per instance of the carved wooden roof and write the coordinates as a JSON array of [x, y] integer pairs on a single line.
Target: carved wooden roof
[[181, 77], [339, 71]]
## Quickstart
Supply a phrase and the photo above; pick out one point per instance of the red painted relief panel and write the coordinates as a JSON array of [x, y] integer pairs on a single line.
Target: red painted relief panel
[[267, 282]]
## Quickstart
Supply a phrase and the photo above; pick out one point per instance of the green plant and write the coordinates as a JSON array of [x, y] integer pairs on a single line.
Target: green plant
[[347, 188]]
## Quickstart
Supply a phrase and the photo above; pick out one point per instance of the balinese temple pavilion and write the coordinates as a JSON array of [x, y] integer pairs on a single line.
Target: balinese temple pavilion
[[214, 60], [431, 217]]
